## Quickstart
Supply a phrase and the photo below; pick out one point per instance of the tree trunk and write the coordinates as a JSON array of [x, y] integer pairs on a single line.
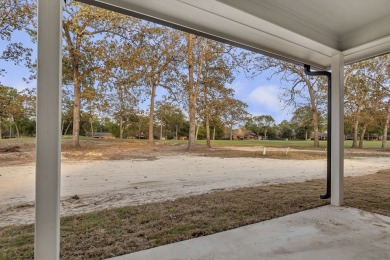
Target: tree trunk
[[91, 125], [161, 131], [355, 134], [214, 133], [121, 128], [197, 131], [67, 128], [17, 130], [191, 90], [306, 134], [151, 114], [1, 130], [10, 128], [208, 142], [177, 130], [194, 86], [386, 127], [362, 135], [120, 100], [76, 109], [316, 131], [315, 113], [265, 133], [231, 132], [207, 119], [384, 139], [62, 126], [356, 127]]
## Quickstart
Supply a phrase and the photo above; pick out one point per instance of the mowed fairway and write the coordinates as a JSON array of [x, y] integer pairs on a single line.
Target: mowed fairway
[[278, 143], [266, 143]]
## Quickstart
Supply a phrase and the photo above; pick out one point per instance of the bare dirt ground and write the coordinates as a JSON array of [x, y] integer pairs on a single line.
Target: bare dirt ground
[[111, 174]]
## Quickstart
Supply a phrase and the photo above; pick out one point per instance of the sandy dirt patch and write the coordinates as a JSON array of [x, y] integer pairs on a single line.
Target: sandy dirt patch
[[93, 185]]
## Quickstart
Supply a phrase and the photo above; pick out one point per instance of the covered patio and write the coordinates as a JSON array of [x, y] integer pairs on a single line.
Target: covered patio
[[322, 34], [327, 232]]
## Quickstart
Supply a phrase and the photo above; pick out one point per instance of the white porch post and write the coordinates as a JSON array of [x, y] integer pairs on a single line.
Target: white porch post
[[48, 160], [337, 164]]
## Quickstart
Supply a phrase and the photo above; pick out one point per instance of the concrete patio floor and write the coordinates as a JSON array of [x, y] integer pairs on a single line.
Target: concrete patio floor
[[323, 233]]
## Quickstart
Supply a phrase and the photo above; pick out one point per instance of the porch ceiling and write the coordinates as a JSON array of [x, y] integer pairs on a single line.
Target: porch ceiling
[[302, 31]]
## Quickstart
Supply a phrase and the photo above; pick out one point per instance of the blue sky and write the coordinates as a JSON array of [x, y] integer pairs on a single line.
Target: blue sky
[[15, 73], [261, 94]]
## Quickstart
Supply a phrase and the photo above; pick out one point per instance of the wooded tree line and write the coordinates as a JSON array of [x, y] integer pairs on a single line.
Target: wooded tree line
[[367, 98], [114, 68], [113, 63]]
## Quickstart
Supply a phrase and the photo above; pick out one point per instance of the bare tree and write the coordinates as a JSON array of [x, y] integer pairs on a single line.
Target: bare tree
[[299, 89]]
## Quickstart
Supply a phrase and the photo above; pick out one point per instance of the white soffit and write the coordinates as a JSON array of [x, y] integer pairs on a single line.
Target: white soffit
[[303, 31]]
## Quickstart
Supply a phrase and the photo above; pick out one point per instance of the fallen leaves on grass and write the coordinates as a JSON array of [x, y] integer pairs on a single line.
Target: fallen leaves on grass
[[11, 149], [369, 192]]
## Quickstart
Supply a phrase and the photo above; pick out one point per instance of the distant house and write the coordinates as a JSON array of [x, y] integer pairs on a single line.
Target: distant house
[[242, 134], [371, 137], [321, 135], [349, 137], [6, 135], [368, 137], [141, 136], [100, 135]]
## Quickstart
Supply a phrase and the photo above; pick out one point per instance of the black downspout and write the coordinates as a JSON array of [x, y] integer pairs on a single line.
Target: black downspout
[[329, 137]]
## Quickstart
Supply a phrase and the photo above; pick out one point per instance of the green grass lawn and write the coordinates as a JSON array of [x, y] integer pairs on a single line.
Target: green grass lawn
[[268, 143], [276, 143], [32, 139]]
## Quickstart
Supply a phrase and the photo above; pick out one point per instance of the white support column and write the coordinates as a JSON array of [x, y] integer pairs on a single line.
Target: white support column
[[48, 159], [337, 165]]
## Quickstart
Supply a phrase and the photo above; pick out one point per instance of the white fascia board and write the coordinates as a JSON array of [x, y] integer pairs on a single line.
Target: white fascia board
[[368, 50], [370, 33]]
